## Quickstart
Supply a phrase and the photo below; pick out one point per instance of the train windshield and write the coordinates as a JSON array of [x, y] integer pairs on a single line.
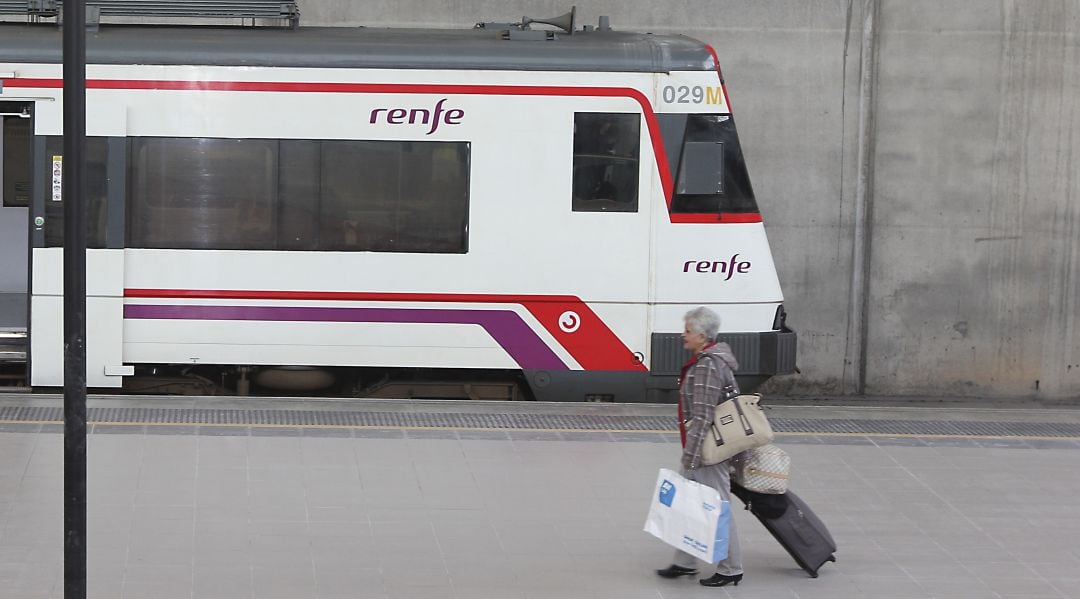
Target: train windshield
[[710, 173]]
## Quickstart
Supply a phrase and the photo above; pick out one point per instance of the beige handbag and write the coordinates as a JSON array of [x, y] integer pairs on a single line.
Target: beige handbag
[[738, 424], [763, 469]]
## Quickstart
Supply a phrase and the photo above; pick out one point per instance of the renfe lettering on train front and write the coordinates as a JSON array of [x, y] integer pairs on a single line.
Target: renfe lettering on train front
[[422, 116], [729, 267]]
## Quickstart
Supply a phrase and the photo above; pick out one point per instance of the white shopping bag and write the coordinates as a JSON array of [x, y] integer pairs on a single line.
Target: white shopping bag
[[689, 516]]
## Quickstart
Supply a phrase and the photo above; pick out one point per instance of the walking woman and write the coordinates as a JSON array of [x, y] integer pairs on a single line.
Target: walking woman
[[701, 387]]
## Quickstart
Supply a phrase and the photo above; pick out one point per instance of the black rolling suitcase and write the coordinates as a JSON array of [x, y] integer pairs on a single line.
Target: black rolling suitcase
[[794, 525]]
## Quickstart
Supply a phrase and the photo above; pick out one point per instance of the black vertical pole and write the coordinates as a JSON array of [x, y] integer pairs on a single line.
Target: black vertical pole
[[74, 195]]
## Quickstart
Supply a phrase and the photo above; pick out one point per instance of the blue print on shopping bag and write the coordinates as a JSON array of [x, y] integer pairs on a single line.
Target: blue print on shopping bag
[[721, 538], [667, 493]]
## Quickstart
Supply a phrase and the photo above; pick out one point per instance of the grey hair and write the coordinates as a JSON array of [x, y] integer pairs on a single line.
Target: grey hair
[[703, 320]]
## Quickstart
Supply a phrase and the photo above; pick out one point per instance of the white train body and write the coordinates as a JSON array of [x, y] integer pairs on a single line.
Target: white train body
[[532, 285]]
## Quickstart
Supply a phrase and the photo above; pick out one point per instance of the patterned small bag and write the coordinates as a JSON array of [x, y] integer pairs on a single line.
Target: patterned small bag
[[763, 469]]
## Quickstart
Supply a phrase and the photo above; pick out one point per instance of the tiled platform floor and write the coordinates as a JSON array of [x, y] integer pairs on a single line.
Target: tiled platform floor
[[432, 514]]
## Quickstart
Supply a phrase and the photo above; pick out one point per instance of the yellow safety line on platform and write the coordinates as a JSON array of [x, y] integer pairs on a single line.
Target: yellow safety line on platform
[[538, 430]]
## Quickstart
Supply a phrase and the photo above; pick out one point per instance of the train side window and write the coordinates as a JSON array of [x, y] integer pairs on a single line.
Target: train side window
[[394, 196], [97, 189], [298, 195], [269, 194], [712, 174], [202, 193], [606, 158]]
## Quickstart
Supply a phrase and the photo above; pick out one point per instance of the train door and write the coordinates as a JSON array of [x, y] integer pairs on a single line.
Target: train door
[[104, 196], [16, 150]]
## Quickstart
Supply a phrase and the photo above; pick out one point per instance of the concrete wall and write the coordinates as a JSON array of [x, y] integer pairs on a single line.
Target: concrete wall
[[914, 161], [976, 250]]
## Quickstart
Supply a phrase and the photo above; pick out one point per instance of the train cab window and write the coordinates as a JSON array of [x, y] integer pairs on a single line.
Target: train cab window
[[202, 193], [712, 176], [606, 155], [97, 189]]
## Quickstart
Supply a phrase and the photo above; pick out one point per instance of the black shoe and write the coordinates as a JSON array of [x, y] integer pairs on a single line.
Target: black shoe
[[719, 580], [674, 571]]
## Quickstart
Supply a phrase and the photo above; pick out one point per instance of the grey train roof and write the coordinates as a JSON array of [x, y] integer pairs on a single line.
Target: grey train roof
[[360, 47]]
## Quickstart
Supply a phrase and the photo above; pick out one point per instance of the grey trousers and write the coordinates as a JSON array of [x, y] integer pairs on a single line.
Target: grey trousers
[[718, 477]]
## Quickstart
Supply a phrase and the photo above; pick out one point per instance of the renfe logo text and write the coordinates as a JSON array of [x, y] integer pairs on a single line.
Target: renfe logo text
[[729, 267], [423, 116]]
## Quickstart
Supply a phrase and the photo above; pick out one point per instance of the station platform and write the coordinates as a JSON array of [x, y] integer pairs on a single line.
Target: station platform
[[274, 498]]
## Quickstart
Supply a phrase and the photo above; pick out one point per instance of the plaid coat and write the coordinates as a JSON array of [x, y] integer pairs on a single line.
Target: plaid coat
[[700, 391]]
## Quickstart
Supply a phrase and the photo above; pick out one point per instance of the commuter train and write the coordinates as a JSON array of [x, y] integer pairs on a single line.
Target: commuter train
[[496, 212]]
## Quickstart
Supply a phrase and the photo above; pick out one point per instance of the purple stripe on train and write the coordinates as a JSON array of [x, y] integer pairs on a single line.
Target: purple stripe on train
[[506, 327]]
